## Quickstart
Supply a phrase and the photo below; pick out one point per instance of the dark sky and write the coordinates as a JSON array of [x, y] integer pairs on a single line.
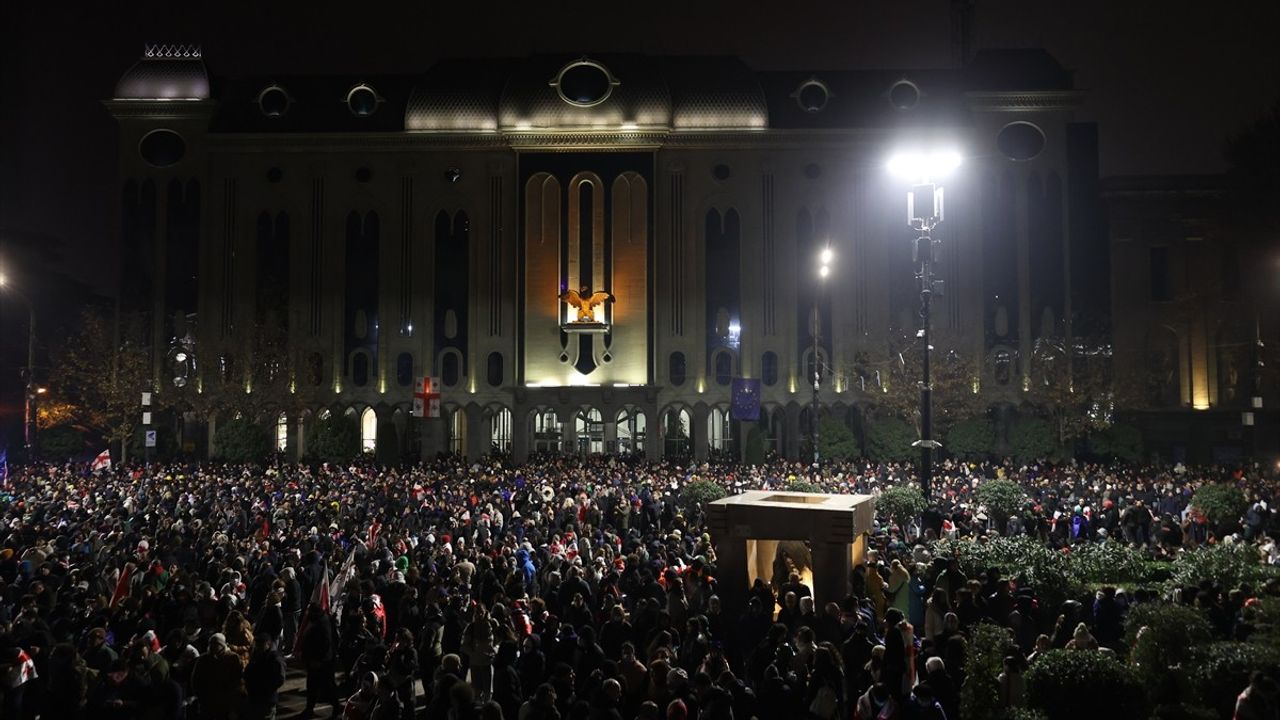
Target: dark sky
[[1166, 85]]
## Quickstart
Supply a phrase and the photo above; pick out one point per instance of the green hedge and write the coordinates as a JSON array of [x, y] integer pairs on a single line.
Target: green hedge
[[901, 503], [241, 440], [889, 440], [1228, 566], [699, 493], [1076, 684], [1163, 636], [1028, 561]]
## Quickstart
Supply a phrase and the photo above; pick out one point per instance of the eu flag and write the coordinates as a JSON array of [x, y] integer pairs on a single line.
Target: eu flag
[[746, 399]]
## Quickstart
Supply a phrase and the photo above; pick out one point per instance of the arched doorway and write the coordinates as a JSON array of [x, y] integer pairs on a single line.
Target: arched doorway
[[458, 431], [632, 428], [546, 429], [588, 426], [500, 430], [368, 430], [677, 426]]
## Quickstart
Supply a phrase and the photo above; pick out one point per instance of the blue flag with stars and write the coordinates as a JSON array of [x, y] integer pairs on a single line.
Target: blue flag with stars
[[746, 399]]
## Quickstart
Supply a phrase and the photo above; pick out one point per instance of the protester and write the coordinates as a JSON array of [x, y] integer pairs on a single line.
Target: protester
[[564, 587]]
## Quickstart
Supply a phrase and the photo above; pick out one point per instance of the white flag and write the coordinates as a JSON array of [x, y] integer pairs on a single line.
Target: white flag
[[102, 462], [338, 586]]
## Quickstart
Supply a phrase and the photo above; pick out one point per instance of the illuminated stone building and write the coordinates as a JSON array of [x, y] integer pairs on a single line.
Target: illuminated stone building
[[426, 224], [1194, 318]]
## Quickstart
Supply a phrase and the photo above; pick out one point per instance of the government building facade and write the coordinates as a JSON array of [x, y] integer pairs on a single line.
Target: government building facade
[[354, 234]]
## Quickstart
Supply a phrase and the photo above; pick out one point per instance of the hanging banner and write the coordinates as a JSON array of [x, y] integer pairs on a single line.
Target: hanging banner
[[745, 404]]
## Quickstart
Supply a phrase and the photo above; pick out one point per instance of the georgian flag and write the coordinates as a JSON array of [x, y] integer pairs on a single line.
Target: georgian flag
[[102, 461], [22, 671]]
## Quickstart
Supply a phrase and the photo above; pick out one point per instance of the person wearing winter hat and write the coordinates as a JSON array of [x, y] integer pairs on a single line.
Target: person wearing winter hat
[[217, 680]]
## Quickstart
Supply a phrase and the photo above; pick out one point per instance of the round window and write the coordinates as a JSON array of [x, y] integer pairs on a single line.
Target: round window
[[720, 172], [813, 171], [273, 101], [162, 148], [363, 174], [904, 95], [362, 101], [1020, 140], [275, 175], [813, 96], [584, 83]]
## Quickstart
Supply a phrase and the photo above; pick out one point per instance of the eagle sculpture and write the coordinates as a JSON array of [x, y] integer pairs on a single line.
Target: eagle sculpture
[[585, 301]]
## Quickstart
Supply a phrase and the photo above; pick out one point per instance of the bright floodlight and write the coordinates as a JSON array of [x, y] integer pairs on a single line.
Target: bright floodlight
[[824, 271], [921, 166], [827, 256], [4, 279]]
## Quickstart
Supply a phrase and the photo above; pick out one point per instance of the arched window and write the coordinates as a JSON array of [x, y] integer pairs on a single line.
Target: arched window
[[676, 425], [495, 369], [360, 369], [282, 432], [404, 369], [769, 368], [500, 432], [450, 369], [547, 431], [631, 430], [719, 430], [588, 426], [368, 430], [724, 368], [676, 369], [458, 431]]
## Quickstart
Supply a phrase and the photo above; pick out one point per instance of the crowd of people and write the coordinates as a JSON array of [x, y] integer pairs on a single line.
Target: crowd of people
[[581, 588]]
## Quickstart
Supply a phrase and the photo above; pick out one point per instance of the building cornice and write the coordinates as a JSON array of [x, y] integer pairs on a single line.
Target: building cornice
[[160, 109], [1023, 100], [584, 141]]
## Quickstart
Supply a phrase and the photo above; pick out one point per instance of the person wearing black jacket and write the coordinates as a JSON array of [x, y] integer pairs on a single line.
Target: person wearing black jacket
[[318, 655], [402, 668], [263, 677]]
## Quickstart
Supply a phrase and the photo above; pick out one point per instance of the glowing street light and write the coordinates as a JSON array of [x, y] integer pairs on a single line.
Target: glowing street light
[[825, 257], [922, 168], [29, 407]]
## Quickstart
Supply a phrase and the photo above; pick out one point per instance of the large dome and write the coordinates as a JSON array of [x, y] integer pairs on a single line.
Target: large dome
[[165, 72]]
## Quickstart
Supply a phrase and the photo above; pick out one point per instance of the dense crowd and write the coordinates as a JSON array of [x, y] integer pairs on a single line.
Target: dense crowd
[[563, 588]]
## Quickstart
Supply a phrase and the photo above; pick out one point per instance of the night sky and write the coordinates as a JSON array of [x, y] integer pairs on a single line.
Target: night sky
[[1167, 82]]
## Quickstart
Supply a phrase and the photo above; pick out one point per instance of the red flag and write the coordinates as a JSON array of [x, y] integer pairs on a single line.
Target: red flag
[[379, 612], [319, 598], [374, 528], [101, 462], [122, 585]]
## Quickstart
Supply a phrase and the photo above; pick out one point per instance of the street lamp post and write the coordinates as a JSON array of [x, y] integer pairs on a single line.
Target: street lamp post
[[924, 212], [29, 405], [824, 269]]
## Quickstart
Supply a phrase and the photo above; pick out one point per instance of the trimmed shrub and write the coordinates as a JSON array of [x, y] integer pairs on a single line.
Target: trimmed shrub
[[1121, 442], [1110, 563], [1218, 671], [335, 439], [241, 440], [835, 440], [802, 486], [1073, 684], [755, 446], [61, 443], [971, 439], [1031, 439], [1163, 636], [1003, 498], [889, 440], [1227, 566], [901, 503], [1221, 503], [980, 693], [1027, 561], [697, 494]]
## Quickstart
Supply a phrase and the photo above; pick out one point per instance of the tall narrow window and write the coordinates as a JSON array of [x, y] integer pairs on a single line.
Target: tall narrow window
[[368, 430], [404, 369], [282, 433], [676, 369], [769, 368], [500, 432]]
